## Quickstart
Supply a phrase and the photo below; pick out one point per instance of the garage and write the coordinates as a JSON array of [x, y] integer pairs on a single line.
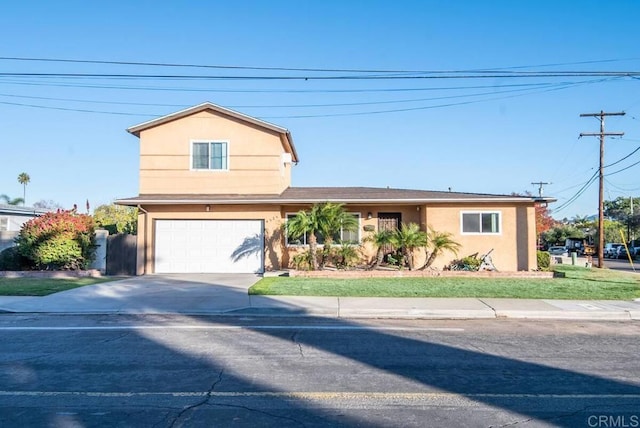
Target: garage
[[209, 246]]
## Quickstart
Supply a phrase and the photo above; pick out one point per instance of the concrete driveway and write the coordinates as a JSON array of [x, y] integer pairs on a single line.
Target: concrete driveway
[[176, 293]]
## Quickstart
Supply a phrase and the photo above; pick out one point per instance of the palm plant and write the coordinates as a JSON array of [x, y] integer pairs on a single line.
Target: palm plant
[[439, 242], [409, 238], [11, 201], [334, 219], [380, 240], [24, 179], [307, 223], [327, 220]]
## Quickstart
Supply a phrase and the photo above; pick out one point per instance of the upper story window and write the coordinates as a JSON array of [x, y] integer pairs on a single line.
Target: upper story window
[[344, 236], [481, 222], [4, 223], [210, 155]]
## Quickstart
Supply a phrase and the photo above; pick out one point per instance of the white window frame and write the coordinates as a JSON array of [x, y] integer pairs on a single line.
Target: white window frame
[[6, 223], [191, 145], [304, 238], [479, 213]]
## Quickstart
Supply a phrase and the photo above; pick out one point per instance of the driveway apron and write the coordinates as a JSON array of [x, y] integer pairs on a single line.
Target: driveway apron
[[175, 293]]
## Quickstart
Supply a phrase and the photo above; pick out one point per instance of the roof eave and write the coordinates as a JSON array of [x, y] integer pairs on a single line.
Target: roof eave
[[407, 201]]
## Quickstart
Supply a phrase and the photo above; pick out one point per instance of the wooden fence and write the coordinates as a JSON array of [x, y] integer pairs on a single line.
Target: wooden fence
[[121, 254]]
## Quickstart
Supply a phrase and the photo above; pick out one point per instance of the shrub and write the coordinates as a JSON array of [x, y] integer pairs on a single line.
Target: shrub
[[302, 261], [346, 256], [544, 260], [60, 240], [470, 263], [10, 259]]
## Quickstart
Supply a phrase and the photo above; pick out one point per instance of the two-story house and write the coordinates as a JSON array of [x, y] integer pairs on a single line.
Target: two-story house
[[215, 191]]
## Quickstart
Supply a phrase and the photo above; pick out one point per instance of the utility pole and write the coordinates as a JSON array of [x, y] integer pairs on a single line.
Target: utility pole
[[540, 188], [601, 134]]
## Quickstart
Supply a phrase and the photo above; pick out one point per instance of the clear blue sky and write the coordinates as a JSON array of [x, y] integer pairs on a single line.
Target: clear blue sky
[[69, 134]]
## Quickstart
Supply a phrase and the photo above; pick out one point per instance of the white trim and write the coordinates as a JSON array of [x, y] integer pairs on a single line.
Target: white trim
[[480, 212], [6, 222], [192, 142], [315, 201]]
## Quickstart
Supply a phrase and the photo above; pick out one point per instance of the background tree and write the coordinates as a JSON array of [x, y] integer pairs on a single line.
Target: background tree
[[11, 201], [50, 205], [116, 218], [626, 211], [24, 179], [559, 233], [544, 221]]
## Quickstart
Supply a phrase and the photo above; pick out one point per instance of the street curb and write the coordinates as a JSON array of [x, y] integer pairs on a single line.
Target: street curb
[[566, 315], [373, 314]]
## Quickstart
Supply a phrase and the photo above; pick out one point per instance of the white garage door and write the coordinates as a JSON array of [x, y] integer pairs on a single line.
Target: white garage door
[[209, 246]]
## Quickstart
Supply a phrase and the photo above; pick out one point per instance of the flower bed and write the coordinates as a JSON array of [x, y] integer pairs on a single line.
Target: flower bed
[[416, 274]]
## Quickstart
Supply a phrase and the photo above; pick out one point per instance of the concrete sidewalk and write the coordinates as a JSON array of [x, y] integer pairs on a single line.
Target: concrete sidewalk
[[227, 295]]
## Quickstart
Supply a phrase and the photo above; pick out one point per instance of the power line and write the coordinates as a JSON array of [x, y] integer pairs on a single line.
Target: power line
[[303, 116], [427, 76], [283, 90], [307, 69], [276, 106]]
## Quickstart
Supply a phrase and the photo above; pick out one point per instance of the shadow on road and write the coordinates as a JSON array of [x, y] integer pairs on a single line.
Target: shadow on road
[[496, 381]]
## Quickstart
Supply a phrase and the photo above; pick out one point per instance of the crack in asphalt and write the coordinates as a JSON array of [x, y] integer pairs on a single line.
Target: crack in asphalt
[[237, 406], [121, 336], [550, 418], [202, 402], [294, 338]]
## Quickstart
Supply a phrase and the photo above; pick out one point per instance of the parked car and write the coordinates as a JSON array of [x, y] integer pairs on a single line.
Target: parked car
[[621, 252], [611, 250], [558, 251]]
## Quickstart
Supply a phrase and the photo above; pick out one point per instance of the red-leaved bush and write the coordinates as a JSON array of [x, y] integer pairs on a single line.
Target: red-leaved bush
[[58, 240]]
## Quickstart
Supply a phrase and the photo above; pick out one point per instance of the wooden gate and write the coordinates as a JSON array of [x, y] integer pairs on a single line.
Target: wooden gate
[[121, 254], [389, 221]]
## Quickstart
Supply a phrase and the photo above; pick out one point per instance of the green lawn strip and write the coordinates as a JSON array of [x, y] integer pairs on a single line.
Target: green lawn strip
[[578, 283], [44, 286]]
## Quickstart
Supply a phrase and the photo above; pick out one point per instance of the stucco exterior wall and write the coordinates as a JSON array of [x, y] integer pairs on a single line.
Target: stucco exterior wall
[[274, 242], [513, 248], [255, 163]]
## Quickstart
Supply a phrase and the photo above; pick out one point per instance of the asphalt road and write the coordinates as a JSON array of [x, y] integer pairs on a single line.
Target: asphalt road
[[623, 265], [172, 371]]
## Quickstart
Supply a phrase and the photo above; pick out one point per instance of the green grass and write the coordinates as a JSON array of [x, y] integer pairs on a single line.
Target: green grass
[[572, 283], [43, 286]]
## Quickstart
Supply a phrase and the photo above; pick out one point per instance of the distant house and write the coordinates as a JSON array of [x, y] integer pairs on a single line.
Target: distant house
[[12, 217], [215, 192]]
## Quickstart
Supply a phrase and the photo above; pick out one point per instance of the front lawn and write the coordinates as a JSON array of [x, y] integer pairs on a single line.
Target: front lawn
[[572, 283], [43, 286]]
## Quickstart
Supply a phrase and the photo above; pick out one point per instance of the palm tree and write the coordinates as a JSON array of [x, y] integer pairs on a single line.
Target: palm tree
[[380, 239], [327, 219], [334, 220], [409, 238], [307, 223], [440, 242], [11, 201], [24, 179]]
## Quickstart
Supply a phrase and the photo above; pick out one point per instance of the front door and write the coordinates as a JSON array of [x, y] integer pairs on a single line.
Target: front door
[[389, 221]]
